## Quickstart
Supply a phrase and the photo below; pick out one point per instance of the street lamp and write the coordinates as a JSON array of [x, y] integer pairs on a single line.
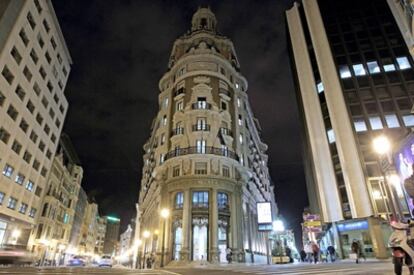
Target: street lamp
[[382, 146], [278, 227], [165, 213], [145, 235]]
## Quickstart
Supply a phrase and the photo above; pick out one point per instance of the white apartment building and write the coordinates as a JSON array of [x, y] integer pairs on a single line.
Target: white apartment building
[[34, 68]]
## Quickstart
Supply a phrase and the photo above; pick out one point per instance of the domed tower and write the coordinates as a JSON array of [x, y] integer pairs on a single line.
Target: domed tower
[[204, 161]]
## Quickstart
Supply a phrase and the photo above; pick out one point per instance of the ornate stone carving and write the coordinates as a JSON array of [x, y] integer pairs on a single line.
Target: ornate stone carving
[[201, 79]]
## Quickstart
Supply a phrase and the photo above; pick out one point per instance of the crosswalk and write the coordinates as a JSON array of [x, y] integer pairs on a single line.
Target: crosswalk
[[80, 271], [379, 268]]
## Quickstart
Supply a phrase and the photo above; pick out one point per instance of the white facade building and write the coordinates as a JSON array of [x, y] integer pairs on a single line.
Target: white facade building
[[34, 68], [205, 160]]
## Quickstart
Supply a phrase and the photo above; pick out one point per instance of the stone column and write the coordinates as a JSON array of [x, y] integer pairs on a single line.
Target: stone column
[[213, 227], [378, 244], [236, 218], [325, 178], [352, 172], [187, 220]]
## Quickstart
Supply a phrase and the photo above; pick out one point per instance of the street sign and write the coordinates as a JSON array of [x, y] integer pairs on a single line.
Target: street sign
[[311, 217], [312, 223]]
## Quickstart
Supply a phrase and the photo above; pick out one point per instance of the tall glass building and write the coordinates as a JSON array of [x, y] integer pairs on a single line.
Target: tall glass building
[[354, 81], [205, 160]]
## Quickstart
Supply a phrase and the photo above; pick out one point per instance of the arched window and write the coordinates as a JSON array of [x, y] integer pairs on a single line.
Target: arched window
[[179, 200], [222, 201]]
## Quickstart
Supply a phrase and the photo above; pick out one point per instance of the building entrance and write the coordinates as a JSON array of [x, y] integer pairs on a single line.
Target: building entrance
[[200, 239]]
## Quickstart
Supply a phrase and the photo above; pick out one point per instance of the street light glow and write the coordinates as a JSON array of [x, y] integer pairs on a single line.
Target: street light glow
[[16, 233], [146, 234], [278, 226], [382, 145], [165, 213]]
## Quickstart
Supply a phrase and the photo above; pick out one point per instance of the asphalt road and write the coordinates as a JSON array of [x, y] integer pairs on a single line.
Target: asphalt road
[[342, 268]]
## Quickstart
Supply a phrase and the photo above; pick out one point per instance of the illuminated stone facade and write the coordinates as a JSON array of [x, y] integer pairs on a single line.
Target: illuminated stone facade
[[204, 160]]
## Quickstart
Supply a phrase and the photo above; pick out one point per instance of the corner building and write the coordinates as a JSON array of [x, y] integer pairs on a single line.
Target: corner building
[[205, 160], [354, 81]]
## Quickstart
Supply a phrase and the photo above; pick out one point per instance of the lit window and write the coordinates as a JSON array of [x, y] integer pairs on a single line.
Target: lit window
[[238, 102], [403, 63], [359, 69], [360, 125], [201, 146], [408, 120], [162, 158], [392, 121], [320, 87], [20, 178], [389, 67], [331, 136], [373, 67], [32, 212], [179, 200], [12, 203], [8, 170], [222, 201], [344, 71], [376, 123], [29, 185], [241, 138], [200, 199], [166, 102]]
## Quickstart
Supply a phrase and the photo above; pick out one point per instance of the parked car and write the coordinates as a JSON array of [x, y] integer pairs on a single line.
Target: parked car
[[105, 261], [15, 255], [77, 261]]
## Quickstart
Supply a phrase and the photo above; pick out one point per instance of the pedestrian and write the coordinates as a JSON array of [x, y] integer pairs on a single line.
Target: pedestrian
[[331, 253], [309, 252], [315, 251], [302, 254], [149, 262], [229, 255], [288, 253], [356, 250]]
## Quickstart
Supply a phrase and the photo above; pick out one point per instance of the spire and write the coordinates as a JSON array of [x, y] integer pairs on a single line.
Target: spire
[[203, 19]]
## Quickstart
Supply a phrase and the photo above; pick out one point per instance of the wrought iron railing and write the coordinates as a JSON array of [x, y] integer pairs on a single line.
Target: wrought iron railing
[[201, 105], [226, 131], [201, 150], [177, 131], [201, 127]]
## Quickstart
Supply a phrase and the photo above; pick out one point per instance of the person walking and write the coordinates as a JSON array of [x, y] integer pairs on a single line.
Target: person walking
[[302, 254], [315, 251], [309, 252], [331, 253], [229, 255], [356, 250]]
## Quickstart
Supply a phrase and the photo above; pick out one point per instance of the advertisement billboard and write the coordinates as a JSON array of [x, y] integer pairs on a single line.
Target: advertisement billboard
[[264, 216], [403, 160]]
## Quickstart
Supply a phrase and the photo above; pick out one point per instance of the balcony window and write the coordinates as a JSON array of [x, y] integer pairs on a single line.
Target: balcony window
[[12, 203], [359, 69], [23, 208], [179, 200], [222, 201], [200, 199], [389, 67], [201, 146], [344, 71], [376, 123], [32, 212], [392, 121], [373, 67], [179, 106], [224, 150], [403, 63]]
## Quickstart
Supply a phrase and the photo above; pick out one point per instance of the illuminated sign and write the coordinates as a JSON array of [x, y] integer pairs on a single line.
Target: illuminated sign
[[361, 225], [112, 219], [264, 212]]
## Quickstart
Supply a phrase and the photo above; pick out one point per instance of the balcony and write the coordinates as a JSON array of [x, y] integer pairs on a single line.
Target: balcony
[[201, 127], [179, 92], [203, 150], [225, 92], [226, 131], [177, 131], [201, 105]]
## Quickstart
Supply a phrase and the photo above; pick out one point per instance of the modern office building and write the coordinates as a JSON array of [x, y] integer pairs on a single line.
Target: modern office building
[[51, 236], [111, 235], [403, 11], [34, 68], [204, 160], [354, 82]]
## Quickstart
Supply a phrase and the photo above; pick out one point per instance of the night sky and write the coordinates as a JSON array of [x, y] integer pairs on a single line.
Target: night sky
[[120, 50]]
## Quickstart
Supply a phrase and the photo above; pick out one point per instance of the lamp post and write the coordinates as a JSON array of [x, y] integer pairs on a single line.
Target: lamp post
[[278, 227], [165, 213], [382, 146], [145, 235]]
